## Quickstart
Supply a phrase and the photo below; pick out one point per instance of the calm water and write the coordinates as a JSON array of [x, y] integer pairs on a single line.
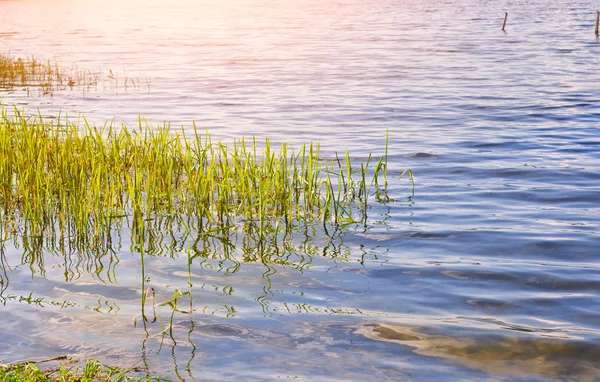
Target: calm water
[[491, 270]]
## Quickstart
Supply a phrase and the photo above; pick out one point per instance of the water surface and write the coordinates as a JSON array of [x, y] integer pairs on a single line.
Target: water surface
[[489, 270]]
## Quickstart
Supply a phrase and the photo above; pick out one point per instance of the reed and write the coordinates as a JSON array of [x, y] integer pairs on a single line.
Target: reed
[[59, 179]]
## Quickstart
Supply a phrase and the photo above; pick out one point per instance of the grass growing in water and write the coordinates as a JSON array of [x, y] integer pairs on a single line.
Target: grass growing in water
[[76, 186], [69, 181], [48, 76]]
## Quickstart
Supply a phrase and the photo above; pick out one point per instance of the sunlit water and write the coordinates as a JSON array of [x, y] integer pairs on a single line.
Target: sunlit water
[[490, 269]]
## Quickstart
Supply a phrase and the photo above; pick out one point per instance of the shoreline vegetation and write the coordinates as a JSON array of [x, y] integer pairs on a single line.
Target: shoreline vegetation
[[93, 370]]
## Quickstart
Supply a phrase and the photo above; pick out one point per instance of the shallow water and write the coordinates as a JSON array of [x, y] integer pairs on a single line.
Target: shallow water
[[489, 270]]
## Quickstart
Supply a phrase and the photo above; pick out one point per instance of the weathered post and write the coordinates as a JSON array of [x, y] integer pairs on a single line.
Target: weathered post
[[506, 16], [597, 18]]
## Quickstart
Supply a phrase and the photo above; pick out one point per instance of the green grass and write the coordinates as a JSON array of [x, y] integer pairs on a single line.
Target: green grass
[[64, 180], [91, 371]]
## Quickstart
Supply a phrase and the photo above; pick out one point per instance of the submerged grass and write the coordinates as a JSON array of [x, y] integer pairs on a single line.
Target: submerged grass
[[65, 180]]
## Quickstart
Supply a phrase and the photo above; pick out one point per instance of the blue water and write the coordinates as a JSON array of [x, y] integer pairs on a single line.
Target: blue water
[[489, 271]]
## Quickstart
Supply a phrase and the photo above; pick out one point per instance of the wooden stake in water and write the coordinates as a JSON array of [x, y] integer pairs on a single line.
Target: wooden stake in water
[[597, 18], [505, 17]]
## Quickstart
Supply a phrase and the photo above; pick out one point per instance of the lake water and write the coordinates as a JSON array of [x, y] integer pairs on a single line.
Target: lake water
[[491, 269]]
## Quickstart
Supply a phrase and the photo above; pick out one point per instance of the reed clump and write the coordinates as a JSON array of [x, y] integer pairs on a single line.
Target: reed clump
[[63, 180], [48, 76]]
